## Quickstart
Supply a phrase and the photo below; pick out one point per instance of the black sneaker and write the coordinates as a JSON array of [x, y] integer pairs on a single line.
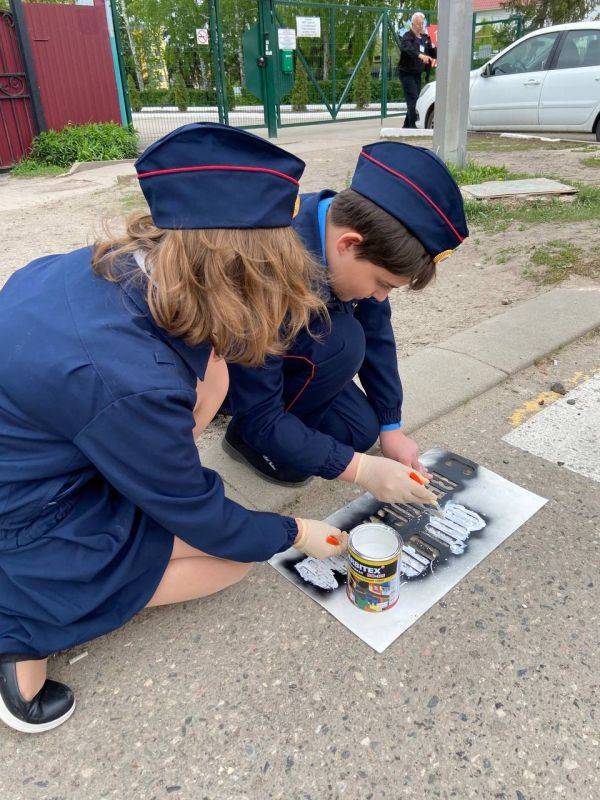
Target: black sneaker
[[236, 447], [51, 706]]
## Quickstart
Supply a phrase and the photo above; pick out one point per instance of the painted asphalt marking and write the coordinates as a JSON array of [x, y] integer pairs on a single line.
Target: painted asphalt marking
[[567, 432]]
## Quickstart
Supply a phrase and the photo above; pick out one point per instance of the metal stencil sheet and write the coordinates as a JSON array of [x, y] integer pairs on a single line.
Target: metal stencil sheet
[[503, 505]]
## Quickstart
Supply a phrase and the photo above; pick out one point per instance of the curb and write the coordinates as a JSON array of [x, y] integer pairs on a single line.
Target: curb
[[84, 166], [441, 377]]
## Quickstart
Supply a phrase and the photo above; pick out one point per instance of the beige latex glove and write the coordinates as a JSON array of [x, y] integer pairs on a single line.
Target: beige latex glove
[[312, 539], [389, 481]]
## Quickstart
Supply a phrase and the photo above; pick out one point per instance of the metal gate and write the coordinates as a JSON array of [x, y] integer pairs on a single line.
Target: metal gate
[[17, 124], [346, 61]]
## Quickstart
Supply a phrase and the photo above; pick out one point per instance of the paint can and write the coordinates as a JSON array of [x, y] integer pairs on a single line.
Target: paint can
[[373, 577]]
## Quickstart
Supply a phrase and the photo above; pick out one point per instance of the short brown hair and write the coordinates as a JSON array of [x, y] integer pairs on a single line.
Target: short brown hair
[[247, 291], [386, 242]]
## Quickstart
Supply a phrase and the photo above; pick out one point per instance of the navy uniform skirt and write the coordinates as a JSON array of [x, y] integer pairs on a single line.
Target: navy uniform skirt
[[80, 570]]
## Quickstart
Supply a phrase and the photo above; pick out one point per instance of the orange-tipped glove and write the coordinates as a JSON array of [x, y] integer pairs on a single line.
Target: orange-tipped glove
[[390, 481], [320, 540]]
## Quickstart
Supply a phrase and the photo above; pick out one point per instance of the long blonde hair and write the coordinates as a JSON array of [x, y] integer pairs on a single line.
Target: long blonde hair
[[247, 291]]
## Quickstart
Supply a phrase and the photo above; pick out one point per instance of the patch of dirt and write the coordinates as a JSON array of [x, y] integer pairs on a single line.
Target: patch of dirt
[[483, 278], [565, 163], [57, 227]]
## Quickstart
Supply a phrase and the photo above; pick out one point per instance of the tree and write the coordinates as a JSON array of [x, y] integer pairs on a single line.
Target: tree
[[180, 93], [551, 12], [299, 96], [134, 95], [362, 84]]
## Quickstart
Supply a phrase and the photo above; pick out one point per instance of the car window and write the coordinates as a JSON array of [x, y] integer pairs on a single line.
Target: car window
[[579, 49], [529, 56]]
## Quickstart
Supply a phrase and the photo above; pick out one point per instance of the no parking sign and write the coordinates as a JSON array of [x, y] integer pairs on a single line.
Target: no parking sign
[[202, 35]]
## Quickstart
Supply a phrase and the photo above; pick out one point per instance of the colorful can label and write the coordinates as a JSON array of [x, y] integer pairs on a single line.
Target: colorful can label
[[373, 578]]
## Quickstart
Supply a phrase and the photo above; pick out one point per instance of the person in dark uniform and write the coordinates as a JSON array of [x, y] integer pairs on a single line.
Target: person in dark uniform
[[416, 53], [302, 414], [111, 358]]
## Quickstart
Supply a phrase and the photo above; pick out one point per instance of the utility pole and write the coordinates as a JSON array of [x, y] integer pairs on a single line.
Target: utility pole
[[452, 80]]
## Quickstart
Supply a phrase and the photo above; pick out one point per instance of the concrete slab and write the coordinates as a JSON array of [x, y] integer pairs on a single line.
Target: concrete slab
[[19, 194], [243, 486], [567, 432], [513, 340], [531, 186], [436, 381]]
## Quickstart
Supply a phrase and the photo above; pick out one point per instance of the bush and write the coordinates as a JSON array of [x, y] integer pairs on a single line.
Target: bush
[[101, 141], [207, 97]]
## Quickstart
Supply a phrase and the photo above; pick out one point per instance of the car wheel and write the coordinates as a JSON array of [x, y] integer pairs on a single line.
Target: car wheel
[[429, 119], [598, 131]]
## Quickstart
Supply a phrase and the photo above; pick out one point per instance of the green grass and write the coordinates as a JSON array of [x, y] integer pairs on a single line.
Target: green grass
[[556, 260], [477, 173], [496, 144], [498, 216], [31, 169], [133, 201], [591, 162], [505, 254]]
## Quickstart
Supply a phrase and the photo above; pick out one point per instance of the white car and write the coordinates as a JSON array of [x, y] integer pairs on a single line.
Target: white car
[[548, 80]]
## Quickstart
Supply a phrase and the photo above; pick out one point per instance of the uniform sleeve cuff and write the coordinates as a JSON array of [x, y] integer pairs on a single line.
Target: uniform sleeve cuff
[[339, 458], [389, 416], [290, 527], [391, 426]]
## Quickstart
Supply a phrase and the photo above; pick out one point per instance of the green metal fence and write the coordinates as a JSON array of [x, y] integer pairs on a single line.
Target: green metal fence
[[273, 63], [492, 36]]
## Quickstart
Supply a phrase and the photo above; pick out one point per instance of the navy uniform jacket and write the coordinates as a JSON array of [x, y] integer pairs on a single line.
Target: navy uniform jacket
[[256, 393], [98, 466]]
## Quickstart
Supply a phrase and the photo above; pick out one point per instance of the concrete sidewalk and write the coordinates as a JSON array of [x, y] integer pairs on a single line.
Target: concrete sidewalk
[[20, 194], [440, 378]]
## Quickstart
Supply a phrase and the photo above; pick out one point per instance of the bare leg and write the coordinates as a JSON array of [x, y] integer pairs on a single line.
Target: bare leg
[[196, 576], [31, 676], [210, 393]]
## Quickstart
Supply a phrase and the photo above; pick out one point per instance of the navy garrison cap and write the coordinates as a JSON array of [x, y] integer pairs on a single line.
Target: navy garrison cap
[[207, 175], [415, 186]]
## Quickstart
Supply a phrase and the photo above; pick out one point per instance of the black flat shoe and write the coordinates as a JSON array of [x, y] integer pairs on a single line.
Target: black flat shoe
[[51, 706], [236, 447]]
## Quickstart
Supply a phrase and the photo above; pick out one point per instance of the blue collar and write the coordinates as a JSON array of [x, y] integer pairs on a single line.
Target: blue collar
[[322, 210]]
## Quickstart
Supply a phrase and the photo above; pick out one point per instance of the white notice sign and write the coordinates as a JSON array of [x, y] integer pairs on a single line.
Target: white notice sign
[[308, 26], [286, 38], [202, 35]]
